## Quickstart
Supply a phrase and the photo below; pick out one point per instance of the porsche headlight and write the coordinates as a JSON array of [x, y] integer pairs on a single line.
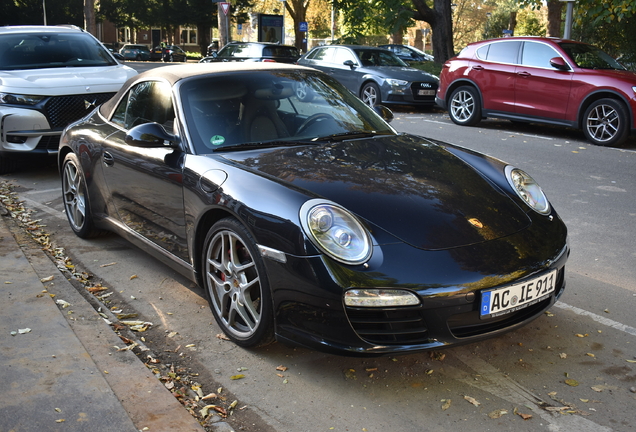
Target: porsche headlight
[[335, 231], [528, 190], [18, 99]]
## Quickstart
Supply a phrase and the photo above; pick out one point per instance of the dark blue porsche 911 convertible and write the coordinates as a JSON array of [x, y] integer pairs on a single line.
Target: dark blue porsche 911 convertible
[[306, 217]]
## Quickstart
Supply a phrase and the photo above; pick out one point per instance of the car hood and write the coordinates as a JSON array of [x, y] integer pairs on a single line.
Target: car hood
[[65, 81], [400, 72], [622, 75], [414, 189]]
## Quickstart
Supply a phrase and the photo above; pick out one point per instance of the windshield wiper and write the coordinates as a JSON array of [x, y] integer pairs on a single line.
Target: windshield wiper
[[342, 136], [266, 144]]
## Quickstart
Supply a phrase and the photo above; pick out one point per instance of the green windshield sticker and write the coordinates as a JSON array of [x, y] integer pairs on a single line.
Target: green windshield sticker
[[217, 140]]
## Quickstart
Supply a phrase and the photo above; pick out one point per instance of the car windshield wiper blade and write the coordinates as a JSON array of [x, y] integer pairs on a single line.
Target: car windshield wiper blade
[[350, 135], [265, 144]]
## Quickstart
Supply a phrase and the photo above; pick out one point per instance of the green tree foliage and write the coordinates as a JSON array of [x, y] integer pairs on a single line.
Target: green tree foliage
[[30, 12]]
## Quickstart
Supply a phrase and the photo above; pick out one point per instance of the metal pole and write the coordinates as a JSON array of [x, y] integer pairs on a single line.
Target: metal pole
[[567, 31], [44, 9], [333, 22], [282, 37]]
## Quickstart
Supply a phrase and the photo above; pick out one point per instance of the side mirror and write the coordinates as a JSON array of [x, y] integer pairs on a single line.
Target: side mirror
[[150, 135], [384, 112], [349, 63], [559, 63]]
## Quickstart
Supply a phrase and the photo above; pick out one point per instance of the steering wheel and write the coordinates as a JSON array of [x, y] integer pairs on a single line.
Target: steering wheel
[[313, 119]]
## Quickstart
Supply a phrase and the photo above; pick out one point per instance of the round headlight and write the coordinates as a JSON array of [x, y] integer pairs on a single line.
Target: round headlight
[[528, 190], [335, 231]]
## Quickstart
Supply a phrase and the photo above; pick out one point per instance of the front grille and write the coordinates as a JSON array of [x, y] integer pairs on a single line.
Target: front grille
[[417, 86], [63, 110], [389, 326]]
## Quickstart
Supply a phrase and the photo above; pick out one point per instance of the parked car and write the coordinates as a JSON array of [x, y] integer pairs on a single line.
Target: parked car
[[170, 53], [408, 53], [376, 75], [542, 80], [313, 223], [137, 52], [50, 76], [254, 52]]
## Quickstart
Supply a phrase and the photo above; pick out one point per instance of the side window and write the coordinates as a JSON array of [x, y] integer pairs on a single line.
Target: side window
[[147, 102], [504, 52], [537, 54], [342, 55], [323, 54]]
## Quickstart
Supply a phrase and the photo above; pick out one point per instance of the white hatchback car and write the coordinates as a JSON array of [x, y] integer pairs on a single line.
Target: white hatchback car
[[50, 76]]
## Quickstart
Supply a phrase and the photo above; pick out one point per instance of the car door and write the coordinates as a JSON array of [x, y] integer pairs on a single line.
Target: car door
[[349, 76], [541, 90], [494, 70], [320, 59], [145, 184]]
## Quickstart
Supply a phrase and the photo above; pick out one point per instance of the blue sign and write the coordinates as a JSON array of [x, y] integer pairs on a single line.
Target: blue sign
[[303, 26]]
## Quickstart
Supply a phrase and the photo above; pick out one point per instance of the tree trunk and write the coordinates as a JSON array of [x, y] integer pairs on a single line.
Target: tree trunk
[[554, 18], [89, 17], [398, 37], [440, 19], [298, 11]]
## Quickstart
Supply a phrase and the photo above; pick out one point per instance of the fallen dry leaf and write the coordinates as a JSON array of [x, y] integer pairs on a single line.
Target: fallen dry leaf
[[281, 368], [108, 265], [46, 279], [472, 400], [497, 413], [563, 355], [572, 382], [446, 405], [237, 377], [222, 337]]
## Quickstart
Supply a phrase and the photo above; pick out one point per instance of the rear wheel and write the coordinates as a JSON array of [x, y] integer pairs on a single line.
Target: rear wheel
[[464, 106], [236, 284], [605, 122], [370, 94]]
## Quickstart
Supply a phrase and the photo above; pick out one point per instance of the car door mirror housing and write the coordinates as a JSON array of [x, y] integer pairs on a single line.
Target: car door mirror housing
[[349, 63], [150, 135], [559, 63], [384, 112]]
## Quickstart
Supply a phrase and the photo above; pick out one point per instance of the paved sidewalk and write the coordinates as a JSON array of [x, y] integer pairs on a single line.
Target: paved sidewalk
[[67, 375]]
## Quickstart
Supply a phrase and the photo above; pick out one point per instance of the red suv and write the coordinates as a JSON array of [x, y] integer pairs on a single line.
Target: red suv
[[544, 80]]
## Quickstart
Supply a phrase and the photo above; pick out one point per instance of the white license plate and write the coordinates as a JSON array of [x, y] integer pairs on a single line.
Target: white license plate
[[426, 92], [518, 296]]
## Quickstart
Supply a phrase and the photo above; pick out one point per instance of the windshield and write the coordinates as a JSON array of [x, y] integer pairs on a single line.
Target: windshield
[[379, 58], [273, 108], [589, 57], [51, 50]]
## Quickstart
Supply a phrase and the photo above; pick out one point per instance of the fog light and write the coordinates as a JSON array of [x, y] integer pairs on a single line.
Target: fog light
[[373, 297]]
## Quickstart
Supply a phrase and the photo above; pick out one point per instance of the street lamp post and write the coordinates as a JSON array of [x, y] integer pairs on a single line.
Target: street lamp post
[[44, 10]]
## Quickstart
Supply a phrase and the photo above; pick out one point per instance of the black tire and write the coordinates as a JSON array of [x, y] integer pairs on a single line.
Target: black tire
[[464, 106], [138, 58], [236, 284], [370, 94], [75, 198], [605, 122]]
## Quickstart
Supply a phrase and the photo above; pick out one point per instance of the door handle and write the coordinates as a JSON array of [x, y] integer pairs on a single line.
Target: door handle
[[478, 68], [108, 159], [524, 74]]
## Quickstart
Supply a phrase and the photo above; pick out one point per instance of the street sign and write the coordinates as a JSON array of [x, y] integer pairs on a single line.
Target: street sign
[[303, 26], [225, 7]]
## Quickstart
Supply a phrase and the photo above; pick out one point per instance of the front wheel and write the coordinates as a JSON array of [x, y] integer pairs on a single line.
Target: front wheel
[[464, 106], [370, 94], [76, 202], [236, 284], [605, 122]]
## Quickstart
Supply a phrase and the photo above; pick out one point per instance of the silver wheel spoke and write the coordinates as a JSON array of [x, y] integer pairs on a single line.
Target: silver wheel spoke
[[234, 284]]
